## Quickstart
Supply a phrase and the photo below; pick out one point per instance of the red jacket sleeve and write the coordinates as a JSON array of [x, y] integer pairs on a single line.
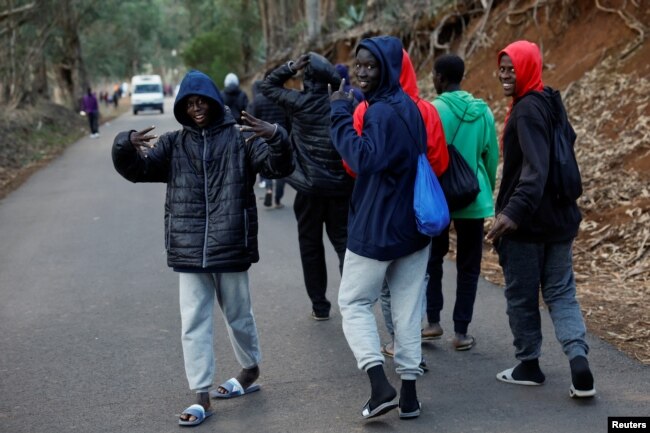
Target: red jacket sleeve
[[436, 144], [357, 119]]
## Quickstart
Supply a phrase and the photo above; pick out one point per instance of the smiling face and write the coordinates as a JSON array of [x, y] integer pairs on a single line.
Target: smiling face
[[367, 71], [507, 75], [199, 109]]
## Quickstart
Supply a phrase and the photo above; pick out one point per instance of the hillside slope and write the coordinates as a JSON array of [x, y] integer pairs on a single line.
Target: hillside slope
[[601, 61], [596, 53]]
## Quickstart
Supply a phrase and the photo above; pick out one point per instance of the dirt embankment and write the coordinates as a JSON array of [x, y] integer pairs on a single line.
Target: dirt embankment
[[600, 59]]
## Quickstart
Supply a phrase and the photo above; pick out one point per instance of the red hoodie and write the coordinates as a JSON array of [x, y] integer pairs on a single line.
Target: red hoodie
[[436, 145], [527, 61]]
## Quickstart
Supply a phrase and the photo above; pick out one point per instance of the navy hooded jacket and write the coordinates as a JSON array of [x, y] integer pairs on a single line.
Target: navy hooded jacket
[[210, 207], [381, 222]]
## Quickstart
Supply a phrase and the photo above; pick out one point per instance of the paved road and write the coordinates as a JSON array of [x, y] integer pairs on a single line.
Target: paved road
[[90, 328]]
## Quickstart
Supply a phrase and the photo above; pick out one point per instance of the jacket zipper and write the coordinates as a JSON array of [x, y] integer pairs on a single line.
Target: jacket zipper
[[207, 205], [169, 232]]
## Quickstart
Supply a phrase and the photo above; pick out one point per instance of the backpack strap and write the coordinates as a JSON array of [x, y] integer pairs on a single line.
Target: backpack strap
[[462, 119]]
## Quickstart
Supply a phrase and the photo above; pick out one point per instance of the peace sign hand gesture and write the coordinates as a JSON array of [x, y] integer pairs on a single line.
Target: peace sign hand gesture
[[140, 140], [258, 127], [340, 93]]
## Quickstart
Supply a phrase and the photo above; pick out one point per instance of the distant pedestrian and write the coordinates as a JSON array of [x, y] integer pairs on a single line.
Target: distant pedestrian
[[533, 232], [117, 93], [469, 125], [210, 224], [322, 187], [234, 97], [383, 240], [90, 107]]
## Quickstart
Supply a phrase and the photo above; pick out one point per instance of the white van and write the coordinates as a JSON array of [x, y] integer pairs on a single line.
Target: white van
[[147, 93]]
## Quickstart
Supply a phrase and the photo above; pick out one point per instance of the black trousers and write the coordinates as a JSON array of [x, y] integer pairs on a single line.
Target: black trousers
[[312, 213], [469, 253], [93, 121]]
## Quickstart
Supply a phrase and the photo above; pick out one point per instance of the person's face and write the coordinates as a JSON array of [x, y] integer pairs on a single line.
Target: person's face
[[199, 110], [507, 75], [366, 69]]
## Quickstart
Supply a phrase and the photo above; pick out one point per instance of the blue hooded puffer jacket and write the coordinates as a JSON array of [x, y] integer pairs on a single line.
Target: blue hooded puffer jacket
[[210, 207], [381, 223], [319, 171]]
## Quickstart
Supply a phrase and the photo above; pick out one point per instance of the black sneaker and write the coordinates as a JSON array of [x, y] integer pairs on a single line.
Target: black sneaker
[[582, 381], [268, 199], [423, 365], [320, 316]]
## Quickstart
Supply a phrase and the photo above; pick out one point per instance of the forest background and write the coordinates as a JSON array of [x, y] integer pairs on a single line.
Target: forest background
[[595, 52]]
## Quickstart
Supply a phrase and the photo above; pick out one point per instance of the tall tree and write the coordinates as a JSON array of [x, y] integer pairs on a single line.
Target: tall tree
[[312, 9]]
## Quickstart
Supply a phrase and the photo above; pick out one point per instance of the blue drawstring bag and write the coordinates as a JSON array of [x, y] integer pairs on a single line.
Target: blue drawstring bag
[[429, 203]]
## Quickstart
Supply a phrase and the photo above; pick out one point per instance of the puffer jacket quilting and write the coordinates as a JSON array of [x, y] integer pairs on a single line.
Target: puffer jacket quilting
[[319, 170], [210, 206]]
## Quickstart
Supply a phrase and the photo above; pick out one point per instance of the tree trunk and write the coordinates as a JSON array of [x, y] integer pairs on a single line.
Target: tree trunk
[[71, 68], [247, 45], [312, 12], [280, 20]]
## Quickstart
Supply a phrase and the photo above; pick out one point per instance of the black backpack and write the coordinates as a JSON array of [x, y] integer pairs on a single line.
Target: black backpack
[[564, 179]]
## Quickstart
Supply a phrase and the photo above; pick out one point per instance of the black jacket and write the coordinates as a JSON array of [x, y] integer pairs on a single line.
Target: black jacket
[[210, 207], [525, 195], [319, 170], [265, 109], [236, 99]]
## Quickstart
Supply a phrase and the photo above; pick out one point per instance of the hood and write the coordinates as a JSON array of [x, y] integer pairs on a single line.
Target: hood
[[463, 105], [407, 79], [231, 80], [388, 52], [232, 89], [319, 72], [344, 74], [196, 83], [527, 61]]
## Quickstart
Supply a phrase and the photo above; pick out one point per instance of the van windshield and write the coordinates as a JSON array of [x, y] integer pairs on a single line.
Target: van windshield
[[148, 88]]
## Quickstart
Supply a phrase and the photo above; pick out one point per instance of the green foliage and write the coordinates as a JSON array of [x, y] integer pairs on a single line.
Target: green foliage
[[213, 54], [230, 42], [129, 37], [353, 18]]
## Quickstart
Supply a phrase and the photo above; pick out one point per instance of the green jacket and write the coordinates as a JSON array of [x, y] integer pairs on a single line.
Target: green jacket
[[476, 139]]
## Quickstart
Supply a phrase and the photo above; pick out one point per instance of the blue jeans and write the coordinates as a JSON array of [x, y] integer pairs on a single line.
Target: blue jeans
[[360, 288], [279, 190], [526, 267], [197, 296]]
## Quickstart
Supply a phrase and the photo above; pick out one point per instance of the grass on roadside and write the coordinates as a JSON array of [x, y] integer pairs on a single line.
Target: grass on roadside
[[33, 136]]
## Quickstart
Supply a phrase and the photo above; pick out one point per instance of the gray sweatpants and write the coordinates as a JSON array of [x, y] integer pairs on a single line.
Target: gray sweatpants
[[360, 288], [197, 294]]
